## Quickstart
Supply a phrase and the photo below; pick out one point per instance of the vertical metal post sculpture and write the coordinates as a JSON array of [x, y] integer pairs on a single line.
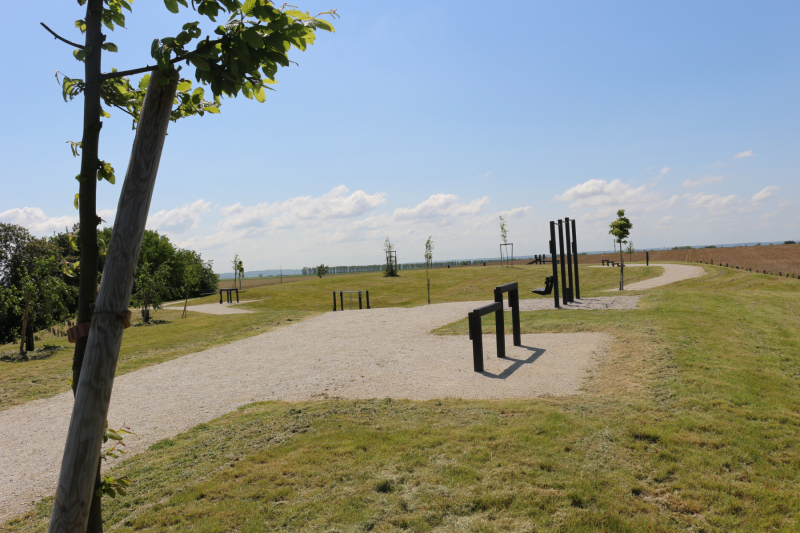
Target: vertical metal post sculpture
[[368, 300], [359, 300], [554, 262], [341, 299], [564, 297], [570, 286], [575, 258], [647, 256], [334, 300]]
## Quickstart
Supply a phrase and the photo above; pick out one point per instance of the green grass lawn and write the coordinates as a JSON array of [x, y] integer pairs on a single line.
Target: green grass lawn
[[50, 372], [692, 423]]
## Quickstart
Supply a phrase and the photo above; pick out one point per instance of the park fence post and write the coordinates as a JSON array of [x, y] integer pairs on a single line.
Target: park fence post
[[477, 341], [368, 300], [334, 301], [575, 258], [564, 297], [500, 323], [568, 235], [513, 297], [341, 300], [554, 262], [359, 301]]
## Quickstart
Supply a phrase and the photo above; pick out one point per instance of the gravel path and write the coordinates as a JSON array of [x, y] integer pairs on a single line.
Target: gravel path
[[214, 309], [672, 273], [374, 353]]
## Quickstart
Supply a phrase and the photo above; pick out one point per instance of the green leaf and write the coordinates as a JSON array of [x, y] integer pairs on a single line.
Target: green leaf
[[259, 94], [81, 25], [198, 61], [110, 47], [75, 202], [252, 38], [211, 109], [184, 85], [172, 5], [144, 82]]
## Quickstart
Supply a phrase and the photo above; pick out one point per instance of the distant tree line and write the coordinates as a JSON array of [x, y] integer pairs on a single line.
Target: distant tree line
[[312, 271], [40, 274]]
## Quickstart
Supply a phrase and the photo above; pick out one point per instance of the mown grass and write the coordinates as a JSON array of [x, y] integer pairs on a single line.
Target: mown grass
[[49, 373], [691, 424], [409, 289]]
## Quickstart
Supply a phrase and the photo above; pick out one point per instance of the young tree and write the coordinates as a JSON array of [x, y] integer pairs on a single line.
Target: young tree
[[390, 270], [428, 260], [235, 265], [240, 268], [322, 270], [630, 249], [503, 230], [149, 288], [620, 230], [243, 58]]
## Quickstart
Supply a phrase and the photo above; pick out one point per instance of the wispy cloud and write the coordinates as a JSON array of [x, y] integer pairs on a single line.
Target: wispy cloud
[[599, 193], [714, 204], [748, 153], [765, 193], [336, 204], [664, 171], [441, 206], [36, 221], [705, 180], [180, 219]]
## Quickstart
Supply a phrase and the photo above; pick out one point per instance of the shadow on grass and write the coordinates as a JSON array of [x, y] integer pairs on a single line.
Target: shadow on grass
[[537, 352]]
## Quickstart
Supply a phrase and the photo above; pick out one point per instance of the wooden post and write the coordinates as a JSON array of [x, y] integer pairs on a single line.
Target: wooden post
[[23, 333], [554, 262], [564, 295], [568, 234], [575, 259], [76, 480]]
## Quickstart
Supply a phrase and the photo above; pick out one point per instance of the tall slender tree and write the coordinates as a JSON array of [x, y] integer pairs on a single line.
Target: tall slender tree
[[242, 58]]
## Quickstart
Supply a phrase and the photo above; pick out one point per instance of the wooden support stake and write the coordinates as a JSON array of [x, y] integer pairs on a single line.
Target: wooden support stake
[[76, 482]]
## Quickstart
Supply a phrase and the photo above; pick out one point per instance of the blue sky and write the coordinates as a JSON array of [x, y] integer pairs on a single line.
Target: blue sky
[[433, 118]]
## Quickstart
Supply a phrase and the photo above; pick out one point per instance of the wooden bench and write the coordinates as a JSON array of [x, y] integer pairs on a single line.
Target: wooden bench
[[548, 287]]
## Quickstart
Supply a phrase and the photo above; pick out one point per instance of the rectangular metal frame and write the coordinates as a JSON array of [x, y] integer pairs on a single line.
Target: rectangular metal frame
[[341, 299], [474, 323], [230, 297]]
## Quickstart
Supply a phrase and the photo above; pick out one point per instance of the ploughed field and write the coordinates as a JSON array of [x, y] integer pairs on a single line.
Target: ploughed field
[[775, 259]]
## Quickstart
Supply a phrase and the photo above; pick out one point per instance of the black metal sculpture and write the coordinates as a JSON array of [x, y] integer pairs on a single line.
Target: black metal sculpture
[[474, 323]]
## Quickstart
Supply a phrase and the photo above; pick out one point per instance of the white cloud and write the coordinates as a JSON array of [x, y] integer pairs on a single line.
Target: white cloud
[[599, 193], [715, 204], [35, 220], [301, 210], [765, 193], [664, 220], [705, 180], [441, 206], [748, 153], [180, 219]]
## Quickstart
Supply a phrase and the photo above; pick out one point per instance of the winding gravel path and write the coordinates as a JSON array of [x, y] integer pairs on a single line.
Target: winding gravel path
[[672, 273], [385, 352]]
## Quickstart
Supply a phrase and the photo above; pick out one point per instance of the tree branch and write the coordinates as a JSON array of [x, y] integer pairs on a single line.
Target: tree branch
[[60, 38], [119, 74]]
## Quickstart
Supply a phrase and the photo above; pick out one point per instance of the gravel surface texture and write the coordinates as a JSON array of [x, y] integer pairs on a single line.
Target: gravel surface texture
[[214, 309], [374, 353]]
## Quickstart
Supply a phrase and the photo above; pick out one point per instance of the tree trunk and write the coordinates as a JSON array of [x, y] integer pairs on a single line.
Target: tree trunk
[[77, 477], [87, 207], [23, 333]]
